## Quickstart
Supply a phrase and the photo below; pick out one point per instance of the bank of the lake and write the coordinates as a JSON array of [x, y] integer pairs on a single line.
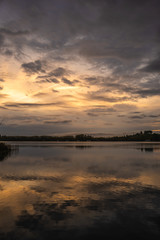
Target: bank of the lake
[[5, 147]]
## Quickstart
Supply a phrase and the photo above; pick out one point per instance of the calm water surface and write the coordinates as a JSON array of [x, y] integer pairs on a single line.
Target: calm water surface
[[80, 191]]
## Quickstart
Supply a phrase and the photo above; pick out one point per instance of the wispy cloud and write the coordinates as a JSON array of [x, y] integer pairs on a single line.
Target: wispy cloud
[[58, 122], [32, 105]]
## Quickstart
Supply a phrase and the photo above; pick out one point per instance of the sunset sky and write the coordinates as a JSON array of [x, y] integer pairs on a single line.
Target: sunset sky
[[79, 66]]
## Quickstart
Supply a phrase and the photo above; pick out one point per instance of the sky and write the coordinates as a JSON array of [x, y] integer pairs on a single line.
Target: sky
[[79, 66]]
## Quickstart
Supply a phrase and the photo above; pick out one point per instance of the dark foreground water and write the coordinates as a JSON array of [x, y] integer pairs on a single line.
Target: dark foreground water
[[80, 191]]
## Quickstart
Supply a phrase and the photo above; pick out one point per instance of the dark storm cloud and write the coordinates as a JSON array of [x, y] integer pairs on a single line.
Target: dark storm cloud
[[33, 67]]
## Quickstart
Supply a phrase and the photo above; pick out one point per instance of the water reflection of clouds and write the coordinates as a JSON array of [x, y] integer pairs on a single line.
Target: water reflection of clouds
[[90, 206], [77, 196], [4, 155], [123, 163]]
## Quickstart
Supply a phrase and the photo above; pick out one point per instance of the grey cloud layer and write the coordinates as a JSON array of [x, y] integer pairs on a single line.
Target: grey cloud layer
[[121, 29]]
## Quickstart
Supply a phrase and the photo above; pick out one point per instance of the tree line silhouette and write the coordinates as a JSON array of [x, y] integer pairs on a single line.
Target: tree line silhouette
[[141, 136]]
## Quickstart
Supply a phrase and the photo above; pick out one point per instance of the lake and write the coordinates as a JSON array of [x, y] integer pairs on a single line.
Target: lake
[[56, 190]]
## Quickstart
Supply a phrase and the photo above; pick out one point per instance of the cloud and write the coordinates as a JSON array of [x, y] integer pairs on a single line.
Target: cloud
[[33, 67], [153, 66], [131, 86], [137, 117], [3, 107], [94, 95], [31, 178], [59, 72], [40, 94], [67, 81], [124, 107], [8, 52], [91, 30], [142, 116], [3, 95], [58, 122], [100, 110], [32, 105], [92, 114], [51, 80], [55, 91], [99, 50], [148, 92], [51, 77], [12, 33], [1, 40]]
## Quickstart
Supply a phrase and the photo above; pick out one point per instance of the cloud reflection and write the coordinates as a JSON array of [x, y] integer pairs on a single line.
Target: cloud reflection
[[88, 195]]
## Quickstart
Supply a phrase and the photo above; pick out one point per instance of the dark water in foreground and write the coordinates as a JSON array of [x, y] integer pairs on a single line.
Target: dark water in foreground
[[81, 191]]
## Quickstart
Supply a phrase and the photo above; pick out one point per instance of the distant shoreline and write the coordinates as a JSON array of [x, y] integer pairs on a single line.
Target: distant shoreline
[[142, 136]]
